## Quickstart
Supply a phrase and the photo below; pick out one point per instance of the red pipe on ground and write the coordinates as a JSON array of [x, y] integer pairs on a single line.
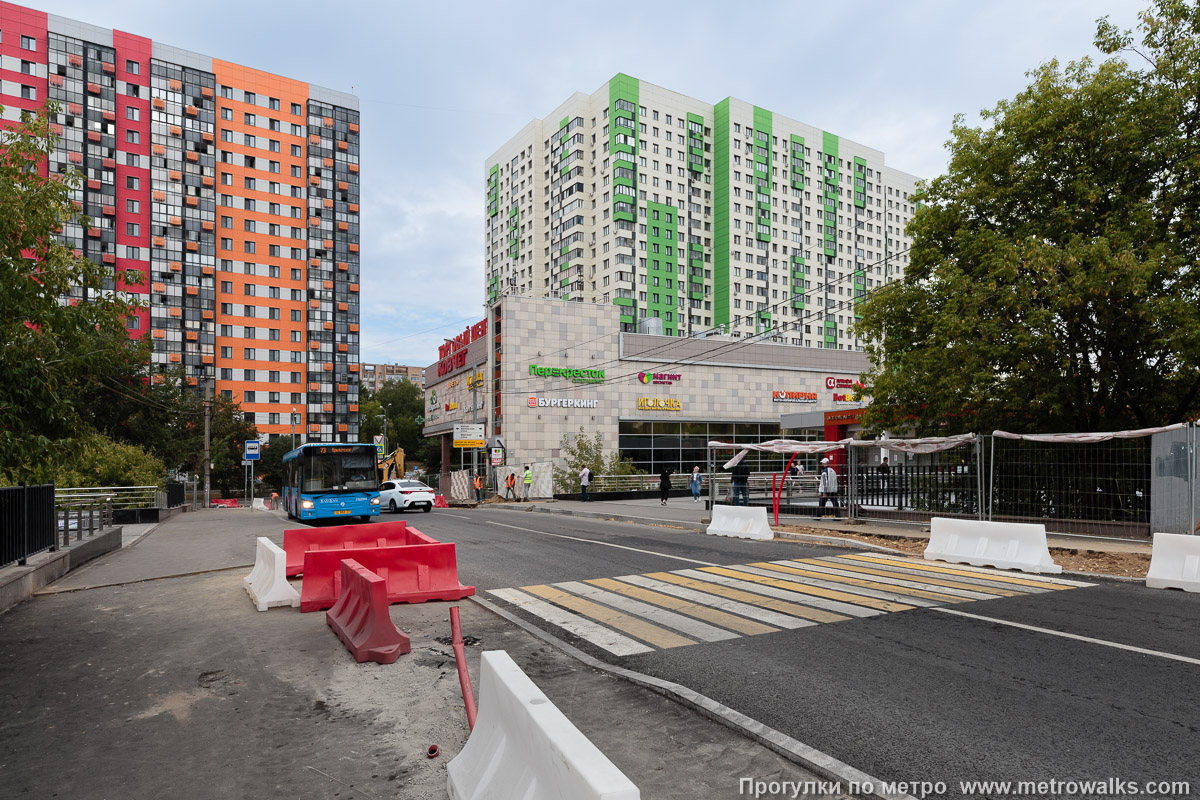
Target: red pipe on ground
[[460, 660]]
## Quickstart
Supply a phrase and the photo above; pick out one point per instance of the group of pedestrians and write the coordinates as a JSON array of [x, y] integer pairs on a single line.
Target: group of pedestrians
[[510, 485]]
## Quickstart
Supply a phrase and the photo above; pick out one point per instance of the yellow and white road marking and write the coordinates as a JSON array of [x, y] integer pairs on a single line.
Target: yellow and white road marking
[[633, 614]]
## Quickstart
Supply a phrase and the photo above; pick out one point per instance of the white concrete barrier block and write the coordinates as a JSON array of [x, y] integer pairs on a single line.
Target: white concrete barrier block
[[524, 748], [267, 584], [1175, 562], [744, 522], [1007, 545]]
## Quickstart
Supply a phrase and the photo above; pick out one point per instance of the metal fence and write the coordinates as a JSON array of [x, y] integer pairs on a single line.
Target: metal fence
[[1124, 487], [26, 522], [121, 496]]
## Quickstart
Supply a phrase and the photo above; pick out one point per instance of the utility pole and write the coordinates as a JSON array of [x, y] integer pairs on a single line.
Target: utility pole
[[207, 442]]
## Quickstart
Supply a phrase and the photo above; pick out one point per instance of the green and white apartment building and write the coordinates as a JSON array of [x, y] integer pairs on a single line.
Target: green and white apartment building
[[665, 272], [702, 216]]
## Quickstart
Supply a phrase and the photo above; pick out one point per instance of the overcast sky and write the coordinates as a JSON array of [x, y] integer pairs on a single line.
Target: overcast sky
[[443, 84]]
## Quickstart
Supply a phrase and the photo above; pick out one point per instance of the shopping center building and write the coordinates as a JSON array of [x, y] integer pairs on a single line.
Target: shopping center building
[[541, 369]]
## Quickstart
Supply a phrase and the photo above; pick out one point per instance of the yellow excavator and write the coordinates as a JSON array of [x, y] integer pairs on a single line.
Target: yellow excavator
[[392, 467]]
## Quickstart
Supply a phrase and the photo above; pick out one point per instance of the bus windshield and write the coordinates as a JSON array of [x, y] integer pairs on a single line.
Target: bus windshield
[[337, 472]]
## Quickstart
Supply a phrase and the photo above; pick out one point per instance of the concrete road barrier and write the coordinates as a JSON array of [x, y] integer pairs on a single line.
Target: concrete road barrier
[[744, 522], [412, 573], [524, 748], [1007, 545], [393, 533], [1175, 562], [267, 584], [361, 620]]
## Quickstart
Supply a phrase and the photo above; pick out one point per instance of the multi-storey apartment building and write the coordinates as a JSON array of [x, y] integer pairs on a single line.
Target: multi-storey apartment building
[[695, 216], [232, 192], [376, 376]]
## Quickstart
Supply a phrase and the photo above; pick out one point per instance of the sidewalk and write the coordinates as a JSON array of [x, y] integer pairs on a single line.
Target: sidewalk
[[682, 512], [149, 674]]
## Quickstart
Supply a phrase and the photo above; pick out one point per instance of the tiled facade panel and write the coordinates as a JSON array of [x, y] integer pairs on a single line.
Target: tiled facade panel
[[231, 191]]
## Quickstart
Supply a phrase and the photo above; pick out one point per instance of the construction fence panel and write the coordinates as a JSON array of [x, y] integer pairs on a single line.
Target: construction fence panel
[[1173, 471], [1097, 489]]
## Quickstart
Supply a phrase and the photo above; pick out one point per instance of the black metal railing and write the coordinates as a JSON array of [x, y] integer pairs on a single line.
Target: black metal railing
[[175, 495], [27, 522]]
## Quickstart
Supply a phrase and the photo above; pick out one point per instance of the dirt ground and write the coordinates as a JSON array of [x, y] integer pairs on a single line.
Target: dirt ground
[[1128, 565]]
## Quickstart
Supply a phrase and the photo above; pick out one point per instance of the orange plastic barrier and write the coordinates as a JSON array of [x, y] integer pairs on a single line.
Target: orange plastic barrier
[[360, 617], [297, 541], [413, 573], [439, 501], [231, 502]]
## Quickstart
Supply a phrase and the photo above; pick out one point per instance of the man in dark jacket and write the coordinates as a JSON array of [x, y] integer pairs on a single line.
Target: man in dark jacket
[[740, 482]]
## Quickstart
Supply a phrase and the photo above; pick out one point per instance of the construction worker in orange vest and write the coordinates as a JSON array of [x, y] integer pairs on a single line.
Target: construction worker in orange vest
[[510, 486], [478, 488]]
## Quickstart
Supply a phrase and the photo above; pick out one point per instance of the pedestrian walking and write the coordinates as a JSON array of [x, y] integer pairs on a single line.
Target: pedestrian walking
[[664, 485], [478, 488], [510, 486], [585, 480], [527, 479], [695, 483], [885, 476], [739, 483], [828, 489]]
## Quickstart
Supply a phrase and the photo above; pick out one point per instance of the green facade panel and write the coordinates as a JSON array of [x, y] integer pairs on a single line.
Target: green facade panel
[[721, 239]]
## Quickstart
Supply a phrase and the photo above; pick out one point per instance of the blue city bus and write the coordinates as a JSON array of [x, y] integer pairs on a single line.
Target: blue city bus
[[331, 481]]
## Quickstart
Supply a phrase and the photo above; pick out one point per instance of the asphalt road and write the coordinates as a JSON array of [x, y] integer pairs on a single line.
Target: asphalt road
[[914, 695]]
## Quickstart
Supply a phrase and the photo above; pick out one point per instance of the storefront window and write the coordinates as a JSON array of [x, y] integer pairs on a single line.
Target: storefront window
[[683, 445]]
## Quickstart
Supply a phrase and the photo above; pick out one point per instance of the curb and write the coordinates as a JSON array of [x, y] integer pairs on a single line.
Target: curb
[[68, 590], [823, 764]]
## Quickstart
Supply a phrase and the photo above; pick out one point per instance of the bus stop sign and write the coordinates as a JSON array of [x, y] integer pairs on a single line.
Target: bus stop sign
[[252, 446]]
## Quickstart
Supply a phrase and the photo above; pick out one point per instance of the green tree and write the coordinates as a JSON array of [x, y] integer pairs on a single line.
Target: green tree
[[1052, 284], [579, 451], [96, 460], [62, 328], [402, 402], [270, 463]]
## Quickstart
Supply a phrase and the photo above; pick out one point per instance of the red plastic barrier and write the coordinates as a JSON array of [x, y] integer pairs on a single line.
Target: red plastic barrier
[[439, 501], [414, 574], [297, 541], [360, 617], [229, 503]]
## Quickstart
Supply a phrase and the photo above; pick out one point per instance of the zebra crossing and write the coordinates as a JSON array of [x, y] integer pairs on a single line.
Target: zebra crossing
[[634, 614]]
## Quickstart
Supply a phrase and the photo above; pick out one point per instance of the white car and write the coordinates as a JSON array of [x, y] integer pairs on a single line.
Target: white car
[[403, 495]]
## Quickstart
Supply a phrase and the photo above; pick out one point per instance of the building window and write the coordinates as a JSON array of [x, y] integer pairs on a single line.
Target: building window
[[133, 252], [132, 229], [132, 112], [29, 43], [133, 182], [273, 103], [248, 247], [28, 92], [133, 67], [133, 137], [296, 110], [133, 160]]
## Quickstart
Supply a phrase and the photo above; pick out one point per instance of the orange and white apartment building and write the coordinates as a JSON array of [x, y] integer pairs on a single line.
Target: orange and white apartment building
[[233, 192]]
